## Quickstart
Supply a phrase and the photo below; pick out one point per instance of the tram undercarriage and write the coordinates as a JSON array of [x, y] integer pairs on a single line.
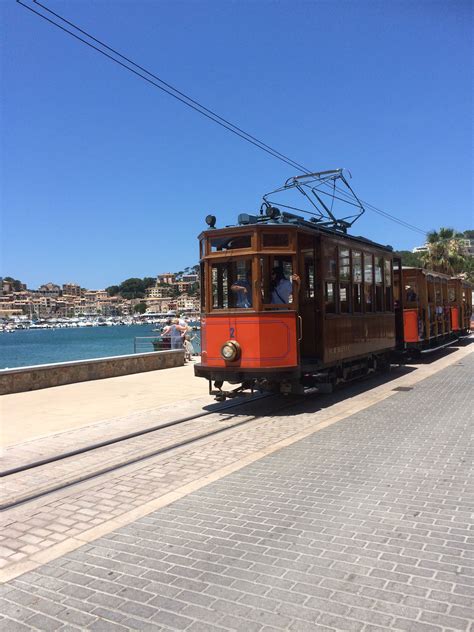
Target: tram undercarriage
[[307, 378]]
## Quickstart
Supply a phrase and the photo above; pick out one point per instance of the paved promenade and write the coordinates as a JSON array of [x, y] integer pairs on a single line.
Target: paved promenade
[[350, 512]]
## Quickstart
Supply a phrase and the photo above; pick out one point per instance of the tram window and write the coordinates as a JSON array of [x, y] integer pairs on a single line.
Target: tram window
[[411, 291], [379, 297], [357, 297], [378, 284], [308, 275], [220, 286], [284, 266], [329, 297], [451, 294], [357, 280], [330, 261], [388, 285], [344, 297], [344, 264], [202, 248], [225, 278], [378, 269], [430, 286], [275, 240], [202, 286], [368, 282], [356, 266], [230, 242]]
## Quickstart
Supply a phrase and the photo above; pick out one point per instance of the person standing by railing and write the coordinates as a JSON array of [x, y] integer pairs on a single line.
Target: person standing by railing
[[176, 334]]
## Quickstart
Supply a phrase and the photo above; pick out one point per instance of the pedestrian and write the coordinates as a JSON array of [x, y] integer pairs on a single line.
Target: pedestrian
[[188, 348], [166, 336], [176, 334]]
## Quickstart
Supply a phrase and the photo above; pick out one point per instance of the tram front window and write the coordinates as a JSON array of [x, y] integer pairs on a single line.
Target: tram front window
[[232, 284], [279, 283]]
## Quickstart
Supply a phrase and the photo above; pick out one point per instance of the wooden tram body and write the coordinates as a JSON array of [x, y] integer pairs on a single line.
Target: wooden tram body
[[339, 325], [436, 309]]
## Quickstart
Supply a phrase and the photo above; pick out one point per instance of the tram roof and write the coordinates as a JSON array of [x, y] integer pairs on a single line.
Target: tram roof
[[288, 220]]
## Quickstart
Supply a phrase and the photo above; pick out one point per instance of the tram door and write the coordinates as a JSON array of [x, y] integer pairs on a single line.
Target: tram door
[[307, 297]]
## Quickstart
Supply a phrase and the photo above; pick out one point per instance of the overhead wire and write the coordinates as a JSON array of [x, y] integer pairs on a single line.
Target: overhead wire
[[168, 85], [117, 61], [190, 102]]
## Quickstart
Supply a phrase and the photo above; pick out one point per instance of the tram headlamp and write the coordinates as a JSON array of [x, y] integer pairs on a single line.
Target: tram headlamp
[[272, 212], [230, 350], [211, 221]]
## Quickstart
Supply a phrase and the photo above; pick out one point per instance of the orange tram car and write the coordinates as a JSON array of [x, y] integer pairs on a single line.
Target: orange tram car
[[436, 309], [288, 304]]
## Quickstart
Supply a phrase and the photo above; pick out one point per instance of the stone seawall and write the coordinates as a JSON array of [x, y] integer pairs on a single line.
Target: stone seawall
[[43, 376]]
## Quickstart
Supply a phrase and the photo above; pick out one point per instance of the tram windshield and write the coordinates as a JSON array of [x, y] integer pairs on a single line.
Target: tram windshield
[[233, 285]]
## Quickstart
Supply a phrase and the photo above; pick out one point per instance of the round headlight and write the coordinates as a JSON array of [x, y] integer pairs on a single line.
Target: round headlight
[[230, 350]]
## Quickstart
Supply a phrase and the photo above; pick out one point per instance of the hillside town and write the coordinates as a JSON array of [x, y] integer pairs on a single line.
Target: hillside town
[[171, 292]]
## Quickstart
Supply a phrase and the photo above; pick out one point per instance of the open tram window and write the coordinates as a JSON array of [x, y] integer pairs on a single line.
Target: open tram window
[[368, 282], [451, 294], [308, 259], [232, 284], [379, 284], [330, 277], [344, 280], [202, 287], [277, 284], [411, 290], [357, 280], [329, 297], [388, 285], [330, 261]]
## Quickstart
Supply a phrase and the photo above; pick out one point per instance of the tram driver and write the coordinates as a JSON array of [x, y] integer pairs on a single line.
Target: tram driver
[[242, 289]]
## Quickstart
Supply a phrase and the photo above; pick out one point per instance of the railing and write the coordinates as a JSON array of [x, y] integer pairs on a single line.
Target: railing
[[142, 344]]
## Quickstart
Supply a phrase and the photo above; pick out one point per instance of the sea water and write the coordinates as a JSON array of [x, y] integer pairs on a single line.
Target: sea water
[[27, 347]]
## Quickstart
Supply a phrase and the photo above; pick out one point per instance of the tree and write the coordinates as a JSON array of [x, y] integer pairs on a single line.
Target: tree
[[132, 288], [140, 308], [468, 234], [444, 252], [112, 290], [17, 285], [149, 282]]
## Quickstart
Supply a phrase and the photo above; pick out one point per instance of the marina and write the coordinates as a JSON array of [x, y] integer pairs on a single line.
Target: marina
[[36, 346]]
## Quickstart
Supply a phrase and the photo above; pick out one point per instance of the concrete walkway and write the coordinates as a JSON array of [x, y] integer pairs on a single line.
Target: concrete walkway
[[34, 414]]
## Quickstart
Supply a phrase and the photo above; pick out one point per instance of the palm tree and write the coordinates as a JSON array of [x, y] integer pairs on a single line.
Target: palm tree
[[444, 252]]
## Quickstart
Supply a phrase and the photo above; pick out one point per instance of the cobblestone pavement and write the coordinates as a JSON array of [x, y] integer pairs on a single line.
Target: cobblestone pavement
[[364, 525]]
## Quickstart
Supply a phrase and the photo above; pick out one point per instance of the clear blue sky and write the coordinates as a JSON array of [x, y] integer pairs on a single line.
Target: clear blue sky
[[104, 177]]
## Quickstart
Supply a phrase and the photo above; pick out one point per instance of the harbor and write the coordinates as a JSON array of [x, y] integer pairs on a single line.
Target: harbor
[[52, 344]]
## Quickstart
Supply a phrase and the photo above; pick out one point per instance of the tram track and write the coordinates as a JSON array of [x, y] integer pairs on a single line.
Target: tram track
[[131, 435], [49, 475], [37, 479]]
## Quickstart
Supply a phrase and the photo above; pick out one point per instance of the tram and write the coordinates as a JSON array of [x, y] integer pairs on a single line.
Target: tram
[[290, 303], [436, 310]]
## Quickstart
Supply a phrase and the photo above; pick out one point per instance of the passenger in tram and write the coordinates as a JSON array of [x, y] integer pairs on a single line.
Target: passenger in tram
[[243, 291], [411, 295], [282, 288]]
